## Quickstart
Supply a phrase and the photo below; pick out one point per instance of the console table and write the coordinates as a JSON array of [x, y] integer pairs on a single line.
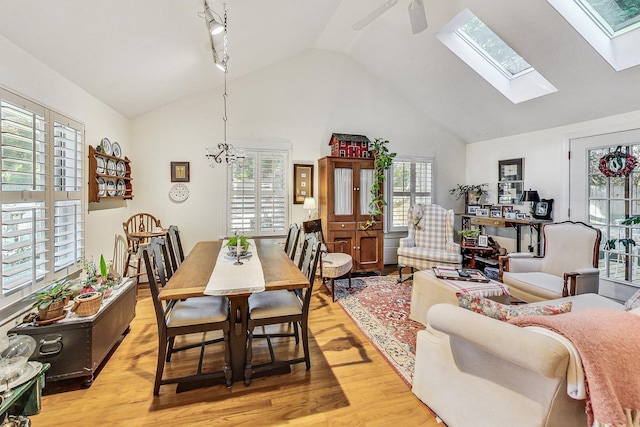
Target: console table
[[76, 346], [483, 221]]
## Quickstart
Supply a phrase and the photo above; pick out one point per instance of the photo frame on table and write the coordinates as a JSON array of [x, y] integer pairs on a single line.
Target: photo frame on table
[[495, 213], [542, 209], [521, 216], [510, 215], [482, 212], [505, 209], [180, 172], [471, 209], [483, 240], [302, 183]]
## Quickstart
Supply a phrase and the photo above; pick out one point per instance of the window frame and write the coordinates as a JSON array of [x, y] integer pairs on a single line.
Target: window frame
[[242, 148], [52, 196], [388, 213]]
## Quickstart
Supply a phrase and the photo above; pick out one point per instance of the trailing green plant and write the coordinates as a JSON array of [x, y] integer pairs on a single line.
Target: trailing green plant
[[462, 190], [383, 160], [56, 292], [471, 232]]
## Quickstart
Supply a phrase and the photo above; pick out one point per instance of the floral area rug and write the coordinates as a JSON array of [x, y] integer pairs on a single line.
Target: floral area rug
[[380, 307]]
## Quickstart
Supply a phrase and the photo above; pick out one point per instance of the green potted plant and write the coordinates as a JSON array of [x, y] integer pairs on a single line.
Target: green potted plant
[[232, 244], [469, 236], [472, 193], [382, 162], [50, 302]]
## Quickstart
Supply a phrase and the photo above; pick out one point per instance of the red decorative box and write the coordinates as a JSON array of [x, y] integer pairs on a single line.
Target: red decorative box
[[346, 145]]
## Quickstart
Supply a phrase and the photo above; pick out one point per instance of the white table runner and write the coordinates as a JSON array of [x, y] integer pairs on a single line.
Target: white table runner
[[227, 278]]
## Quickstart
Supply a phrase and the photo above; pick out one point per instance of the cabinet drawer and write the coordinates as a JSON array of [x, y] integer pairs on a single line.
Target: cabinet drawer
[[337, 226], [491, 222]]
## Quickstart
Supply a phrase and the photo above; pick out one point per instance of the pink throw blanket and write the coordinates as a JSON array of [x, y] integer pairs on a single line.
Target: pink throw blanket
[[609, 344]]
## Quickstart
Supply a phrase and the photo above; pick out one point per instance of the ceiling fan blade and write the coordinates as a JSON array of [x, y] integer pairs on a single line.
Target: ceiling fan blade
[[374, 14], [417, 16]]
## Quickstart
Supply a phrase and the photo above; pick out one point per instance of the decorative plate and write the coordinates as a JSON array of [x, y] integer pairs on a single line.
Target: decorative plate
[[102, 187], [179, 193], [106, 146], [111, 167], [111, 188], [121, 168], [116, 149], [120, 186], [30, 370], [100, 168]]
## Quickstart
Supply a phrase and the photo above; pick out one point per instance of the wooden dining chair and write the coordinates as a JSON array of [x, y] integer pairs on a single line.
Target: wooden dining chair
[[283, 307], [174, 246], [120, 254], [179, 318], [137, 222], [291, 244]]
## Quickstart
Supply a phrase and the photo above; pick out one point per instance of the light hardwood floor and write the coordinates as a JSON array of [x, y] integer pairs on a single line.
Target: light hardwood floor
[[349, 383]]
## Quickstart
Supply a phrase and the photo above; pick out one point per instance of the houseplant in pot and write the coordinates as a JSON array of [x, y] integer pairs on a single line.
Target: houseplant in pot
[[472, 193], [469, 236], [50, 302]]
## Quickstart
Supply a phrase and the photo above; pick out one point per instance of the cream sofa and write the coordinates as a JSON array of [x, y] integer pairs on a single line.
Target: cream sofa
[[475, 371]]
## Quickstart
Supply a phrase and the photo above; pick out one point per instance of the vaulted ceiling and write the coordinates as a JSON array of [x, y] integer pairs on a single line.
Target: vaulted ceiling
[[137, 55]]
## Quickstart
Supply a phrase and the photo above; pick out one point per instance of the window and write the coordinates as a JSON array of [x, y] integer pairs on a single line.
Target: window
[[258, 193], [491, 57], [41, 196], [611, 201], [411, 182], [611, 27]]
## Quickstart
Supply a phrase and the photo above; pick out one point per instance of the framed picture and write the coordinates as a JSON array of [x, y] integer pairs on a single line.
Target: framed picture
[[489, 207], [302, 183], [505, 209], [482, 212], [495, 213], [542, 209], [180, 172], [510, 170], [483, 240], [521, 216], [509, 192], [471, 209], [510, 215]]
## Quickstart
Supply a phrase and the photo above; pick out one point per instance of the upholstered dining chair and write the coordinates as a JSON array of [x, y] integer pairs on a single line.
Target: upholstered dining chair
[[288, 308], [429, 241], [180, 318], [139, 222], [569, 265], [174, 246], [291, 243], [335, 262]]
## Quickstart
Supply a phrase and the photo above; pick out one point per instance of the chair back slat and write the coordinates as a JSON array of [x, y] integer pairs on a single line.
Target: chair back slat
[[291, 243], [152, 256], [174, 248]]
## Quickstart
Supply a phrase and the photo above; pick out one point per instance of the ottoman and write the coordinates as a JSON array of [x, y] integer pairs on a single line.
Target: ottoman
[[428, 290]]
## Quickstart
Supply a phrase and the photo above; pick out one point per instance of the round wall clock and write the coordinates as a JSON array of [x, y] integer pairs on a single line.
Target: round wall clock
[[179, 193]]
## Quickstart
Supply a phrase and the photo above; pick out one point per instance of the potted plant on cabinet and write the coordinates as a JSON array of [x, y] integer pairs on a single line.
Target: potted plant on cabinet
[[382, 162], [50, 302]]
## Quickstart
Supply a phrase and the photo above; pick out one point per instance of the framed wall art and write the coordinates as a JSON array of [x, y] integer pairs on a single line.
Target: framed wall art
[[510, 180], [302, 183], [180, 172]]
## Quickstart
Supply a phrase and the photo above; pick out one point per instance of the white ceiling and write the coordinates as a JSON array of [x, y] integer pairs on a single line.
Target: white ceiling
[[137, 55]]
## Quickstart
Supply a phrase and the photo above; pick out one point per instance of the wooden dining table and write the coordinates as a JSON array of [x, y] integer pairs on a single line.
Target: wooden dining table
[[190, 281]]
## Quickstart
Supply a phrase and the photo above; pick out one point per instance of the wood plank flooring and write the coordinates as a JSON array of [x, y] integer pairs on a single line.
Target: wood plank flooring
[[349, 383]]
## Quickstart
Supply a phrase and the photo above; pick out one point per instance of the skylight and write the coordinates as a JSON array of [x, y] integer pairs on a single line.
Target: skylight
[[615, 17], [611, 27], [492, 47], [491, 57]]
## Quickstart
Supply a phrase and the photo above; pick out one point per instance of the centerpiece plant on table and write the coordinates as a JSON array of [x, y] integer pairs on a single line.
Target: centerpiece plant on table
[[232, 244]]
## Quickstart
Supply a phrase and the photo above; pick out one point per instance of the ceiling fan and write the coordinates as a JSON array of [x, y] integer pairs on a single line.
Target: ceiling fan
[[417, 15]]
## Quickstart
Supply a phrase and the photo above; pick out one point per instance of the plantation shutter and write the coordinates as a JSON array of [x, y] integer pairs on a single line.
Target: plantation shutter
[[411, 182], [258, 193], [68, 227], [24, 167]]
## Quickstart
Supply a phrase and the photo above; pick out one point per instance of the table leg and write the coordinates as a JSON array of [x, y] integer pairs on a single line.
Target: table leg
[[238, 317], [472, 263]]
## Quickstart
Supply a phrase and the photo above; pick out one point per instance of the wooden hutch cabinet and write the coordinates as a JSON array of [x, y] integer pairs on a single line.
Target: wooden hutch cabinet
[[344, 198]]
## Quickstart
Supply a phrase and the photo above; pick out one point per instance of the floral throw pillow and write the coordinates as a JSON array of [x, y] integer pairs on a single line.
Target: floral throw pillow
[[503, 312], [633, 302]]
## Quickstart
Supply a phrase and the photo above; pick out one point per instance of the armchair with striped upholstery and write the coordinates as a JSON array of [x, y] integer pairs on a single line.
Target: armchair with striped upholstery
[[430, 240]]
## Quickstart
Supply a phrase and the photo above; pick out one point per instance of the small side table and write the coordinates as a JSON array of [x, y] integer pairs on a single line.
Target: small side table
[[473, 250], [26, 398]]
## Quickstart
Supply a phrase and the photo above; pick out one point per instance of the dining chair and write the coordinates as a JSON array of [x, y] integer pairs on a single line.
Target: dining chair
[[119, 256], [137, 223], [291, 243], [335, 262], [179, 318], [285, 308], [174, 246]]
